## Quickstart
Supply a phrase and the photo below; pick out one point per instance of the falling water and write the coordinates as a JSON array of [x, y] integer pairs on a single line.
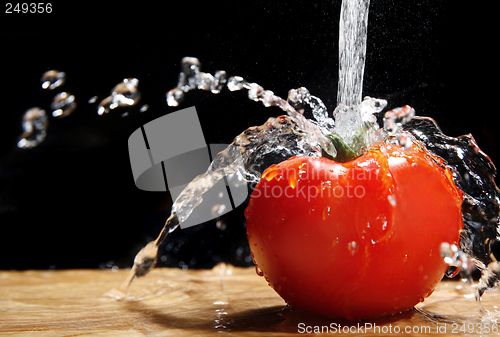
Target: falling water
[[352, 50]]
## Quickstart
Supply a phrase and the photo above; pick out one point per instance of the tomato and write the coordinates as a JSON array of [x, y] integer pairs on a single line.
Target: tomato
[[358, 239]]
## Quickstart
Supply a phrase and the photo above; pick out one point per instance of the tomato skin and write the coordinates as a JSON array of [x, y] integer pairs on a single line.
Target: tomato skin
[[372, 250]]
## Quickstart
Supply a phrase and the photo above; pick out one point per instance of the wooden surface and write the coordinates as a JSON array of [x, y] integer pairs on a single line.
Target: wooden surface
[[227, 300]]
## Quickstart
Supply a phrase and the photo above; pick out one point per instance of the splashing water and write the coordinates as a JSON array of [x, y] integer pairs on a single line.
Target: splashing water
[[52, 79], [63, 105], [35, 120], [191, 78], [124, 94], [457, 261], [35, 123], [473, 173]]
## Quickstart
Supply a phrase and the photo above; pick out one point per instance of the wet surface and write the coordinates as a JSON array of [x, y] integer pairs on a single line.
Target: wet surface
[[224, 299]]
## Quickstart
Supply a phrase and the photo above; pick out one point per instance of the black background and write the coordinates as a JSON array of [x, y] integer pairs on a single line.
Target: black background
[[71, 202]]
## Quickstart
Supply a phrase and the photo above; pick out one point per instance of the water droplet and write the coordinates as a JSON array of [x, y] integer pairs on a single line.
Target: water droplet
[[392, 200], [220, 79], [175, 97], [63, 105], [52, 79], [192, 78], [405, 141], [352, 247], [452, 271], [326, 212], [255, 91], [449, 253], [398, 116], [258, 271], [106, 105], [218, 210], [190, 69], [221, 224], [204, 81], [300, 98], [144, 108], [393, 122], [127, 92], [268, 98], [35, 123], [221, 303], [456, 260], [236, 83], [124, 94]]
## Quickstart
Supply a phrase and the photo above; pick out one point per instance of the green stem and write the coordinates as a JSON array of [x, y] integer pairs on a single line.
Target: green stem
[[344, 151], [348, 151]]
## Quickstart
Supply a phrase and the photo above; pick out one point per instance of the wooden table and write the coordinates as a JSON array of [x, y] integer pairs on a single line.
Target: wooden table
[[226, 299]]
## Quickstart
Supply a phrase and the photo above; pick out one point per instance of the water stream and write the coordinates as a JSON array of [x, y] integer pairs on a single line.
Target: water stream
[[353, 33]]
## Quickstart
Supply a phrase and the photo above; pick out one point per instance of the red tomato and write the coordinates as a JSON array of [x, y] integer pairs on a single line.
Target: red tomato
[[358, 239]]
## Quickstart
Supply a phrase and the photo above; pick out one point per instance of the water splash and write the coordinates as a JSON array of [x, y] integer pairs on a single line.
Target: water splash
[[473, 173], [247, 156], [35, 123], [356, 128], [393, 124], [192, 78], [455, 259], [52, 79], [63, 105], [124, 94]]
